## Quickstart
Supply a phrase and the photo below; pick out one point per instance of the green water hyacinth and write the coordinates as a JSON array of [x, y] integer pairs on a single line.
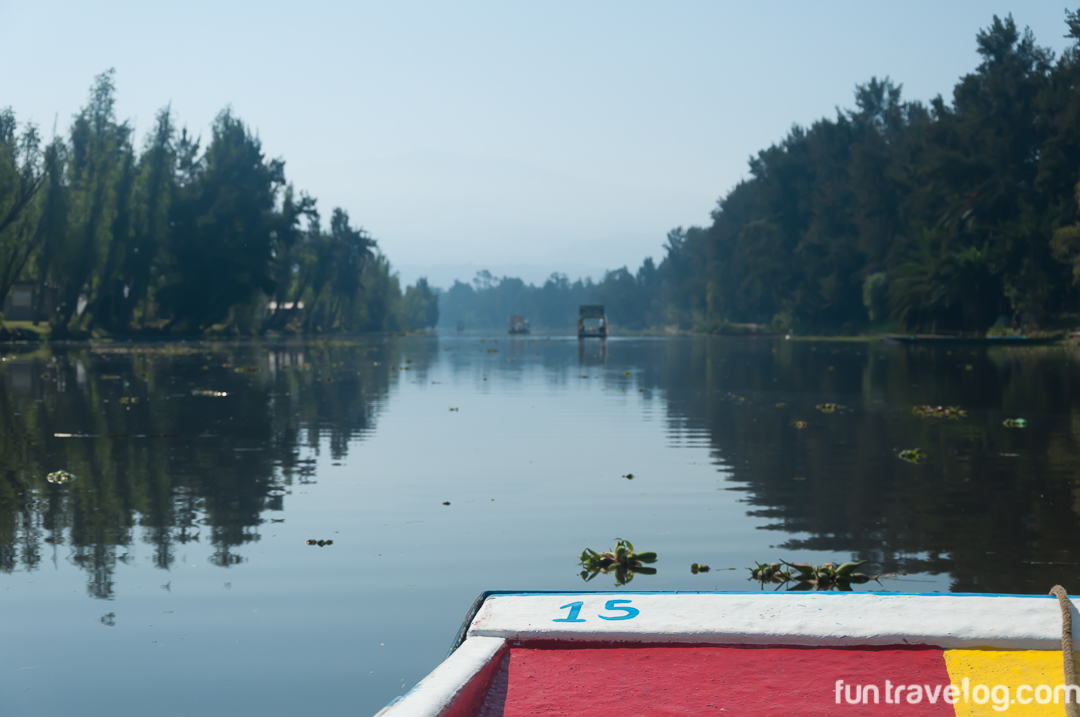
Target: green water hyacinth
[[769, 573], [624, 562], [828, 574], [60, 477], [912, 455], [939, 412]]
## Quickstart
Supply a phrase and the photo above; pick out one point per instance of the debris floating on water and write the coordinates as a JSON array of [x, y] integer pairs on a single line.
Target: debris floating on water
[[623, 561], [320, 543], [799, 424], [769, 573], [446, 502], [912, 455], [208, 392], [629, 476], [939, 412], [827, 576], [695, 568], [1014, 423], [829, 407], [60, 477]]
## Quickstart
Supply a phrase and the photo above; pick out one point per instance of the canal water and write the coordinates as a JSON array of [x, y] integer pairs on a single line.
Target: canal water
[[173, 576]]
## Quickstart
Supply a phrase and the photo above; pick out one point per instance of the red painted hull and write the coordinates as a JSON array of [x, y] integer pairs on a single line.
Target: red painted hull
[[703, 680]]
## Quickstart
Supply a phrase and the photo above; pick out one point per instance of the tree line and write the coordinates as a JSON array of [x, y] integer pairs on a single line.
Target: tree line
[[182, 238], [959, 215]]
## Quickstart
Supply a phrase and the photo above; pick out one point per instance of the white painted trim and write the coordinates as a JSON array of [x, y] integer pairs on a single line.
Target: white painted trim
[[811, 619], [434, 694]]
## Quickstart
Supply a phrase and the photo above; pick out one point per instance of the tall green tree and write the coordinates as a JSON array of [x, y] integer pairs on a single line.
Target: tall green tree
[[220, 251]]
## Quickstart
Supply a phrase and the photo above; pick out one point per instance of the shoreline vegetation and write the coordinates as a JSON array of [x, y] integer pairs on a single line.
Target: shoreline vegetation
[[99, 238], [950, 217]]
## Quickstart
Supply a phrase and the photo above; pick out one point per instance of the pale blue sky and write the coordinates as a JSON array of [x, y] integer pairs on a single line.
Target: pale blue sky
[[519, 137]]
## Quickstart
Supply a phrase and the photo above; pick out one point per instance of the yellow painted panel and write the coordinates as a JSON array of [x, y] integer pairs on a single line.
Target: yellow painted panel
[[1012, 669]]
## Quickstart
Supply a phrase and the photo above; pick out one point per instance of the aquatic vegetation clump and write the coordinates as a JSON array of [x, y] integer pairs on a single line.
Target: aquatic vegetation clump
[[60, 477], [951, 412], [827, 576], [799, 424], [320, 543], [769, 573], [912, 455], [829, 407], [623, 561], [695, 568], [1014, 423]]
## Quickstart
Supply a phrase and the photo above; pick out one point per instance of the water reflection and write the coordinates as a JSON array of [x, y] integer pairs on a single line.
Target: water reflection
[[177, 443], [993, 507], [503, 459], [201, 442]]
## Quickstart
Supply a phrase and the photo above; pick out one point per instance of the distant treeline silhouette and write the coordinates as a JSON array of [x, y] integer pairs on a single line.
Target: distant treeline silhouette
[[178, 238], [958, 215]]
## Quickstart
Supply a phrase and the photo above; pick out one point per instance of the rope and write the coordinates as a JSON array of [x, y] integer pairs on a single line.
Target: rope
[[1066, 645]]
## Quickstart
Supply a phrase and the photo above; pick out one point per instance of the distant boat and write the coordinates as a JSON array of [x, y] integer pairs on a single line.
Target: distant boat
[[518, 324], [759, 653], [592, 322], [936, 340]]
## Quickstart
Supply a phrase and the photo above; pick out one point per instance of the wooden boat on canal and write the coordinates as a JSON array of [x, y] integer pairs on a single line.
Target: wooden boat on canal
[[518, 325], [748, 654], [592, 322]]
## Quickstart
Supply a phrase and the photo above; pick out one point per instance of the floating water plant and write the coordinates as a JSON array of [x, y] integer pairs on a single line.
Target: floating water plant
[[60, 477], [912, 455], [829, 407], [1014, 423], [939, 412], [827, 576], [320, 543], [769, 573], [623, 561], [799, 424], [695, 568]]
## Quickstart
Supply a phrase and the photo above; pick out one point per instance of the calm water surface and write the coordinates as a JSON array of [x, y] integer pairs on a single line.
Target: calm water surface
[[172, 576]]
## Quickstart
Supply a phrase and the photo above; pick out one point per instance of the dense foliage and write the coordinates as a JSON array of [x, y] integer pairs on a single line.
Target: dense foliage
[[181, 238], [488, 302], [958, 215]]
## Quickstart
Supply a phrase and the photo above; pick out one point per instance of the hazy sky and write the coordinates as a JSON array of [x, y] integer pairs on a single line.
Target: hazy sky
[[520, 137]]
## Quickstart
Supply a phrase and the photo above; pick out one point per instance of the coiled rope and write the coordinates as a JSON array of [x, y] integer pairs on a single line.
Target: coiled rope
[[1066, 646]]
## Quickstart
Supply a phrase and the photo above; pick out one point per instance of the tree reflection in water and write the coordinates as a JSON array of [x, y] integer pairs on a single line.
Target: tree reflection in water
[[994, 507], [997, 508], [165, 466]]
